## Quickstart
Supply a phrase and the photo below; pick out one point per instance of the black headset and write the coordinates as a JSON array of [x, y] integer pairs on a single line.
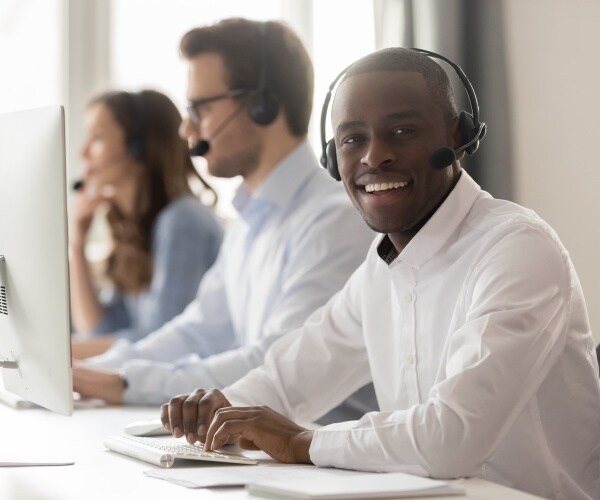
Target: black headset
[[263, 107], [472, 130], [136, 138]]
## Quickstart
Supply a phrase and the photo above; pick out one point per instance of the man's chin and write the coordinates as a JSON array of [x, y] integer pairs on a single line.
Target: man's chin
[[221, 172], [382, 226]]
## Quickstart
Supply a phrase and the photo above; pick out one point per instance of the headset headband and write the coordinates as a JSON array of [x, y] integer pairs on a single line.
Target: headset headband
[[476, 133]]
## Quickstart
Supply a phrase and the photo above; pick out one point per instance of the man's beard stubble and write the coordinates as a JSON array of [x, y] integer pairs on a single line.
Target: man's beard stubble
[[237, 163]]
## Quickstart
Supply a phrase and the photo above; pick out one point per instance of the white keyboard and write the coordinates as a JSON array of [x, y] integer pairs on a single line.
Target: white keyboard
[[164, 451]]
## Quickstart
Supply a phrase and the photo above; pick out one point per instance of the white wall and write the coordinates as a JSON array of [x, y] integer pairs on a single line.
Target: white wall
[[554, 73], [32, 58]]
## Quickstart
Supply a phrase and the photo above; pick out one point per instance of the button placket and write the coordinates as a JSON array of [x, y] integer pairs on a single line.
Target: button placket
[[405, 285]]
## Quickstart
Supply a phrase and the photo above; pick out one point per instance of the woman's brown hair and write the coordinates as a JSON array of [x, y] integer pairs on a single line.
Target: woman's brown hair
[[150, 123]]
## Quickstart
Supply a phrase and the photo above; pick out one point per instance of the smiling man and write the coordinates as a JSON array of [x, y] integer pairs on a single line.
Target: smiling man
[[467, 315], [392, 200]]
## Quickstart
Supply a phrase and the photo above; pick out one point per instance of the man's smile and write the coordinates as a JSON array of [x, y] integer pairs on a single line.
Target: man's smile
[[385, 186]]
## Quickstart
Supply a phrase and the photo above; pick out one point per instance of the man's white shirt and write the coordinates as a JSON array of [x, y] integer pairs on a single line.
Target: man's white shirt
[[477, 340]]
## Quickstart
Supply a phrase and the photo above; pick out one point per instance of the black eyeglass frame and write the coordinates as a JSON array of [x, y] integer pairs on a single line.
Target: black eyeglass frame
[[194, 104]]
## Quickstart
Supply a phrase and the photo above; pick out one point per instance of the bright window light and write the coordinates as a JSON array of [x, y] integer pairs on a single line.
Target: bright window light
[[145, 38], [31, 55]]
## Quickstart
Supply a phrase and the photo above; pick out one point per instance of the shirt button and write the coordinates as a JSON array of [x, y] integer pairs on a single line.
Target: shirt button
[[410, 359], [408, 297]]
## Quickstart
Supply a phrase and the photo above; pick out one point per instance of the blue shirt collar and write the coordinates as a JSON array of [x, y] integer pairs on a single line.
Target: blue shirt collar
[[282, 183]]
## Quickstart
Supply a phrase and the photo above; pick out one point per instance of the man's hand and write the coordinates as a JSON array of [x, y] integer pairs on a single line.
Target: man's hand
[[209, 417], [191, 414], [260, 428], [92, 383]]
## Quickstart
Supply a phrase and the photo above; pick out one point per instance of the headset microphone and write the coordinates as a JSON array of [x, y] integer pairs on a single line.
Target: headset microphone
[[202, 147], [444, 157]]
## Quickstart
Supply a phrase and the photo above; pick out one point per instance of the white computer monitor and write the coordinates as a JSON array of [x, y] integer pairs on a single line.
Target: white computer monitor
[[35, 346]]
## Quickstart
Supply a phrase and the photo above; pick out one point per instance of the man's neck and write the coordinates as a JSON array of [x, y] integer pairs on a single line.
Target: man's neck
[[401, 239], [273, 153]]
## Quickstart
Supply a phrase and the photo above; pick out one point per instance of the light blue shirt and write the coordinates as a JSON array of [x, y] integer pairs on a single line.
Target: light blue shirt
[[186, 238], [295, 243]]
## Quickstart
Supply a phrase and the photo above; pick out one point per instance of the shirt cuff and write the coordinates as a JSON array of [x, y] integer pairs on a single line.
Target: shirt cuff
[[328, 446], [143, 383]]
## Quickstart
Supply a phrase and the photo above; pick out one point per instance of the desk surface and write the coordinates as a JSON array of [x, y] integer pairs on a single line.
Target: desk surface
[[99, 473]]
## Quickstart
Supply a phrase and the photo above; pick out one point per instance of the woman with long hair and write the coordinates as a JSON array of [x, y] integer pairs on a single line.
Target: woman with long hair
[[163, 238]]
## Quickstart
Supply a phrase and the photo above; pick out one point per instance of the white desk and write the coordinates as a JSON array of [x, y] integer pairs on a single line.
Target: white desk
[[99, 473]]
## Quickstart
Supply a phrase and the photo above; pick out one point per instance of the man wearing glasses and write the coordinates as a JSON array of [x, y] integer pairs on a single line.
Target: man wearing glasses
[[295, 243]]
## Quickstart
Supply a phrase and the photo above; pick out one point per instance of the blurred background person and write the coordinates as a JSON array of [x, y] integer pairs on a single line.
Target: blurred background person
[[163, 239]]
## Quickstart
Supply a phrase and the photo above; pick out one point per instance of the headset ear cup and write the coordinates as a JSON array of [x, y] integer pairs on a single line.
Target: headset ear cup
[[264, 107], [135, 148], [466, 127], [332, 165]]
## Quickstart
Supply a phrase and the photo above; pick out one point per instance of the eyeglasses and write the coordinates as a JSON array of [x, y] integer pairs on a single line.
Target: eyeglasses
[[194, 107]]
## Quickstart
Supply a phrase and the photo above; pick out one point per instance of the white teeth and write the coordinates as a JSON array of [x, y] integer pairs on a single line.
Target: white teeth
[[384, 186]]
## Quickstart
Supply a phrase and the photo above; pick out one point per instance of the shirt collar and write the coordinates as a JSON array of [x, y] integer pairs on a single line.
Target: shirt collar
[[282, 183], [434, 235]]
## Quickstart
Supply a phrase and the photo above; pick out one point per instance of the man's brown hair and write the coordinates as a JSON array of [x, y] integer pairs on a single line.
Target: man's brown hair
[[289, 70]]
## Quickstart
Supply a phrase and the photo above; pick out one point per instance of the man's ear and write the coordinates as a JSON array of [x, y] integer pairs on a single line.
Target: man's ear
[[455, 137]]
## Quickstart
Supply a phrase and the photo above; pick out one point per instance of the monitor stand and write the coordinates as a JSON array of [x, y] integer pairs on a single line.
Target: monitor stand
[[24, 458]]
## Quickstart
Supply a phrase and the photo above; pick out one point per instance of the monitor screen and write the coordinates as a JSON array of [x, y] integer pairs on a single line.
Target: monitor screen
[[35, 348]]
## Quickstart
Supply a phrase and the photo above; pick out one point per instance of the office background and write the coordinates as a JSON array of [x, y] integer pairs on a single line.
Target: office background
[[533, 64]]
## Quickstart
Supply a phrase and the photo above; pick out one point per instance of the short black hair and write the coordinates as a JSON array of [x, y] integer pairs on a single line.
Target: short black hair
[[403, 59]]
